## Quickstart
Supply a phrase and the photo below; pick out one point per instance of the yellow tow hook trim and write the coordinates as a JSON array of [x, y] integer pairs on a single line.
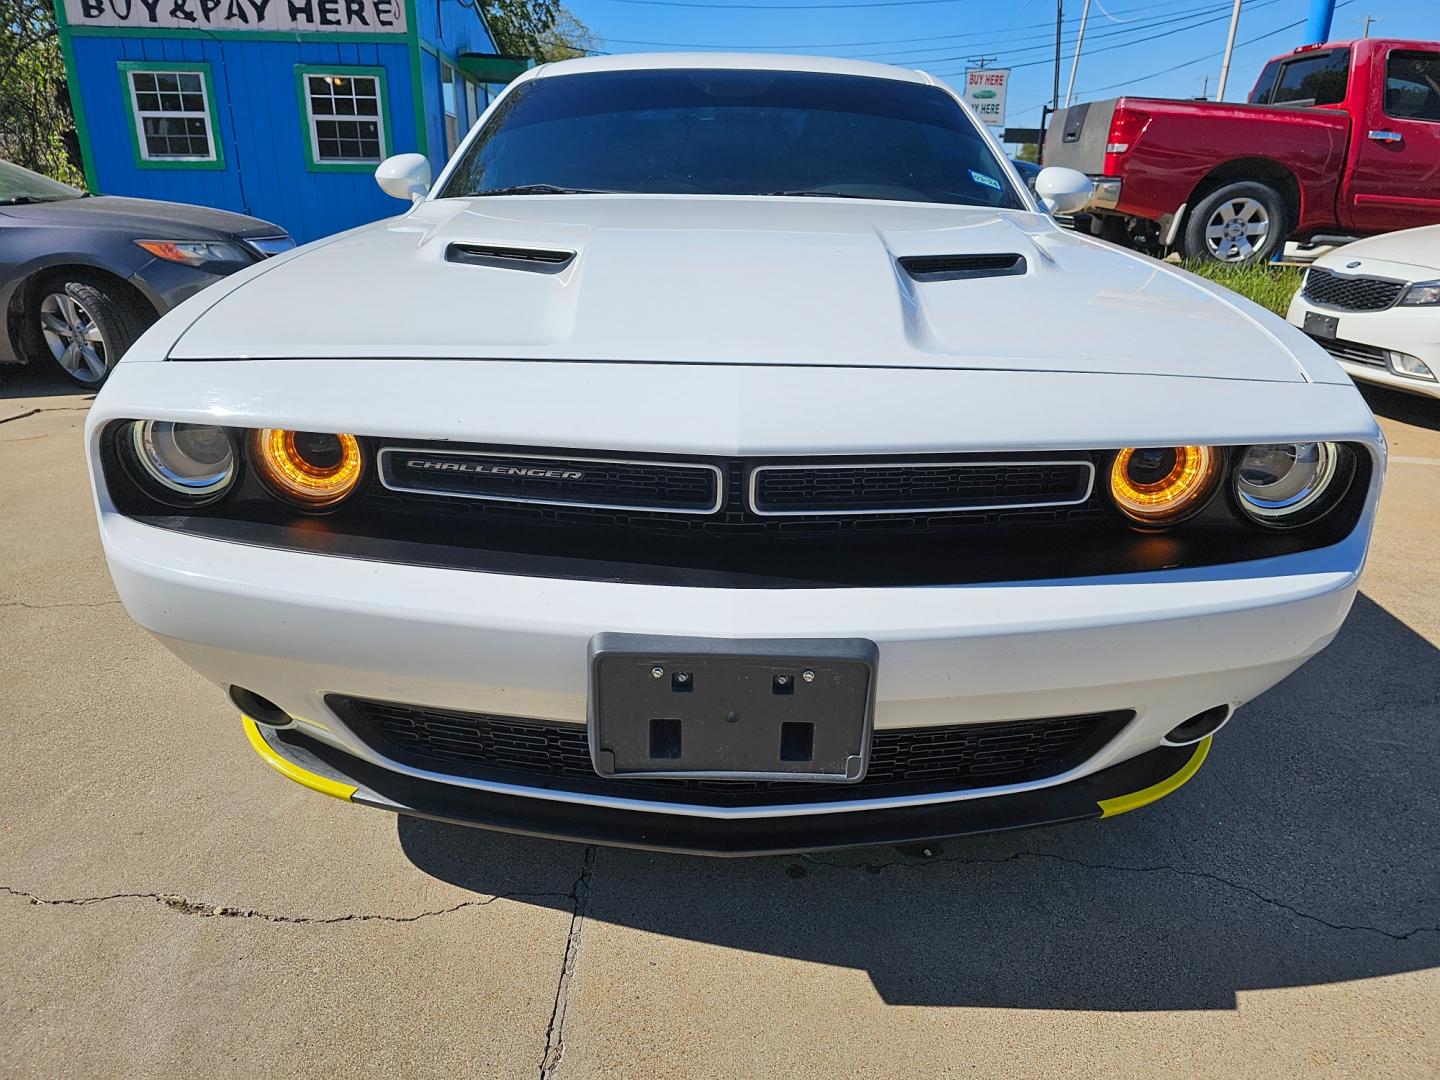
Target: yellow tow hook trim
[[1124, 803], [285, 768]]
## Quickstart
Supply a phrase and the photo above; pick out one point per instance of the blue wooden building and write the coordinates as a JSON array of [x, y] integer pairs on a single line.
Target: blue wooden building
[[276, 108]]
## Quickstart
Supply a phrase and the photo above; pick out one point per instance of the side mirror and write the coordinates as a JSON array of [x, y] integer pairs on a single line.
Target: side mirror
[[1063, 191], [405, 176]]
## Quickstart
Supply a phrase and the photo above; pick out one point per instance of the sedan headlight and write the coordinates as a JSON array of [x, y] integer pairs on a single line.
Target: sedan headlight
[[1159, 486], [1285, 484], [197, 252], [1422, 292], [181, 464]]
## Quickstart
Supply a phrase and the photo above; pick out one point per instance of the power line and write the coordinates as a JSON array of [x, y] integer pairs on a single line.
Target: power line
[[1187, 63], [1046, 42], [1128, 44], [775, 47]]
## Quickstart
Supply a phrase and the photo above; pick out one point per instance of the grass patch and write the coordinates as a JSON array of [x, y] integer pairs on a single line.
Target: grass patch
[[1269, 286]]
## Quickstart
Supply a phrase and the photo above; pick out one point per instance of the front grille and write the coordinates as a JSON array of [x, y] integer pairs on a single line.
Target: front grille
[[868, 501], [557, 756], [1353, 351], [597, 483], [1351, 293], [927, 486]]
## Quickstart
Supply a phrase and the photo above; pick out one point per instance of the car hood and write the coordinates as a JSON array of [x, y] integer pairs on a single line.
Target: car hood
[[1417, 249], [143, 217], [729, 280]]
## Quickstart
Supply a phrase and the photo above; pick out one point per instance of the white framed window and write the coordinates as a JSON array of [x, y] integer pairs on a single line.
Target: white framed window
[[449, 104], [345, 117], [172, 114]]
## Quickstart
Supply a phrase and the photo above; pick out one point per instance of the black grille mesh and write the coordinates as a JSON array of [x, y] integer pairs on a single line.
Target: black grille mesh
[[1354, 351], [1351, 293], [907, 761], [630, 484], [944, 486]]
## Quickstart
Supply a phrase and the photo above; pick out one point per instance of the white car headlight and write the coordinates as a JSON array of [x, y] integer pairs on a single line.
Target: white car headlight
[[1286, 483], [1422, 292], [183, 464]]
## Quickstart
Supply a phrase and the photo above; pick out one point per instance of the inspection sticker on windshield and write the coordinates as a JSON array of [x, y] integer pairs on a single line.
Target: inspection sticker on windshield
[[988, 181]]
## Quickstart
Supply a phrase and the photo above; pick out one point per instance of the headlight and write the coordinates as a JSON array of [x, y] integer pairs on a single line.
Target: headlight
[[196, 252], [1287, 483], [312, 470], [1422, 292], [193, 461], [1163, 485]]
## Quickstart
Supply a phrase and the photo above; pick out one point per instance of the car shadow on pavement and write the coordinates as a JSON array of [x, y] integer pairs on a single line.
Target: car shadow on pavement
[[1414, 409], [1303, 853], [29, 381]]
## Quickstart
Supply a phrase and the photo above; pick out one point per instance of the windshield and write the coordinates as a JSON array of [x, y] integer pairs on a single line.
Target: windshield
[[734, 132], [19, 185]]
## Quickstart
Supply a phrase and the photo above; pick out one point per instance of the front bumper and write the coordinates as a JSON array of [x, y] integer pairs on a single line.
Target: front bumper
[[1115, 790], [1414, 331]]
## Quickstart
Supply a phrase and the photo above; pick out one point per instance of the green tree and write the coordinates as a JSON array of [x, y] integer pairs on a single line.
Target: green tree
[[37, 129], [543, 29], [1028, 152]]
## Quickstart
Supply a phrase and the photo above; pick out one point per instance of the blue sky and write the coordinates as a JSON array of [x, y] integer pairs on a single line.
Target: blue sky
[[1129, 44]]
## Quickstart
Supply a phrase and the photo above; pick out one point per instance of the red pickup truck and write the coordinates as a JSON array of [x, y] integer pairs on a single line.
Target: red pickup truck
[[1336, 140]]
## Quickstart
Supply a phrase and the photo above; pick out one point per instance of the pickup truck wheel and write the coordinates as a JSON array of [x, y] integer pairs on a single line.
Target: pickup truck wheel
[[1237, 223]]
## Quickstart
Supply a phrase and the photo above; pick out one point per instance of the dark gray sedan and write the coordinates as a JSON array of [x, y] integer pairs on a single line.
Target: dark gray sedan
[[82, 276]]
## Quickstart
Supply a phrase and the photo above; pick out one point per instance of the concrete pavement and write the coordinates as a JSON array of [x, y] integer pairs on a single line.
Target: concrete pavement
[[168, 906]]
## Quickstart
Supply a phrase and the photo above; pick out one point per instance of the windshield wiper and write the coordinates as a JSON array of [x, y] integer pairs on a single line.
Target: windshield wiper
[[539, 189], [820, 194]]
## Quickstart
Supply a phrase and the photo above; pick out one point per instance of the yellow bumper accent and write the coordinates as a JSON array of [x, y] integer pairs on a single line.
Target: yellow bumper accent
[[1123, 803], [294, 772]]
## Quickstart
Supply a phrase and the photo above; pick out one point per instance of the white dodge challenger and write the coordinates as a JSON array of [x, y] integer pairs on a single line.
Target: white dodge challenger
[[729, 454]]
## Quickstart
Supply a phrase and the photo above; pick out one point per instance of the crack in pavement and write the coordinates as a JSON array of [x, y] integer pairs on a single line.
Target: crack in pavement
[[186, 906], [49, 607], [37, 412], [876, 868], [555, 1030]]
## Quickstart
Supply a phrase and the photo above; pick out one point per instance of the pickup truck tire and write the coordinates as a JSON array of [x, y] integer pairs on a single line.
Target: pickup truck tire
[[1239, 222]]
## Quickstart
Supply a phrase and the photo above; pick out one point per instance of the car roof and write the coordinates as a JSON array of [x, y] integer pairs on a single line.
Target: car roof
[[733, 61]]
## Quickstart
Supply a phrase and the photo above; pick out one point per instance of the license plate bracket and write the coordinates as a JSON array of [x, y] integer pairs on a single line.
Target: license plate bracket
[[731, 709], [1322, 326]]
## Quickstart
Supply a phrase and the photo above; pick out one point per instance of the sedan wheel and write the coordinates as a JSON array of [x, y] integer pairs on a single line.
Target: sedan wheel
[[1237, 230], [74, 337]]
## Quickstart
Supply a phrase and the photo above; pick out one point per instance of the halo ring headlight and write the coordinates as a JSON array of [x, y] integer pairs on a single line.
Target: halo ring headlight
[[194, 461], [1283, 483], [312, 470], [1159, 486]]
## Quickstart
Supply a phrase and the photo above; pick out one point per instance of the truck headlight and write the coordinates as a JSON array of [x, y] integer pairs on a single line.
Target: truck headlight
[[1422, 292], [1286, 484], [1160, 486]]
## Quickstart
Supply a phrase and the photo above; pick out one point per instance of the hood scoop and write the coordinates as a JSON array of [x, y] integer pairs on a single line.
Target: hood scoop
[[535, 260], [962, 267]]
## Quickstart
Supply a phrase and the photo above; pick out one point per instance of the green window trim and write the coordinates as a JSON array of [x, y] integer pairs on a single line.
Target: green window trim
[[212, 114], [307, 120]]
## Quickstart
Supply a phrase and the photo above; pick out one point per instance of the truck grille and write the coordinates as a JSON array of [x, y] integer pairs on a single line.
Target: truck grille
[[906, 761], [1351, 293]]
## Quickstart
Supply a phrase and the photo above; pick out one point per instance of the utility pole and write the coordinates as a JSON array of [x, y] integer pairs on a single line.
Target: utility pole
[[1075, 63], [1229, 49], [1059, 21], [1368, 20], [981, 61]]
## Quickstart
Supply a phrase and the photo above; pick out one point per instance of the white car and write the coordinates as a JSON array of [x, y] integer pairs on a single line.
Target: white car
[[728, 454], [1374, 305]]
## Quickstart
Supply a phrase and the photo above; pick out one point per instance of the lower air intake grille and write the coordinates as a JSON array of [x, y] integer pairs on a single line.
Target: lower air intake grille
[[1354, 352], [906, 761], [1351, 293]]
